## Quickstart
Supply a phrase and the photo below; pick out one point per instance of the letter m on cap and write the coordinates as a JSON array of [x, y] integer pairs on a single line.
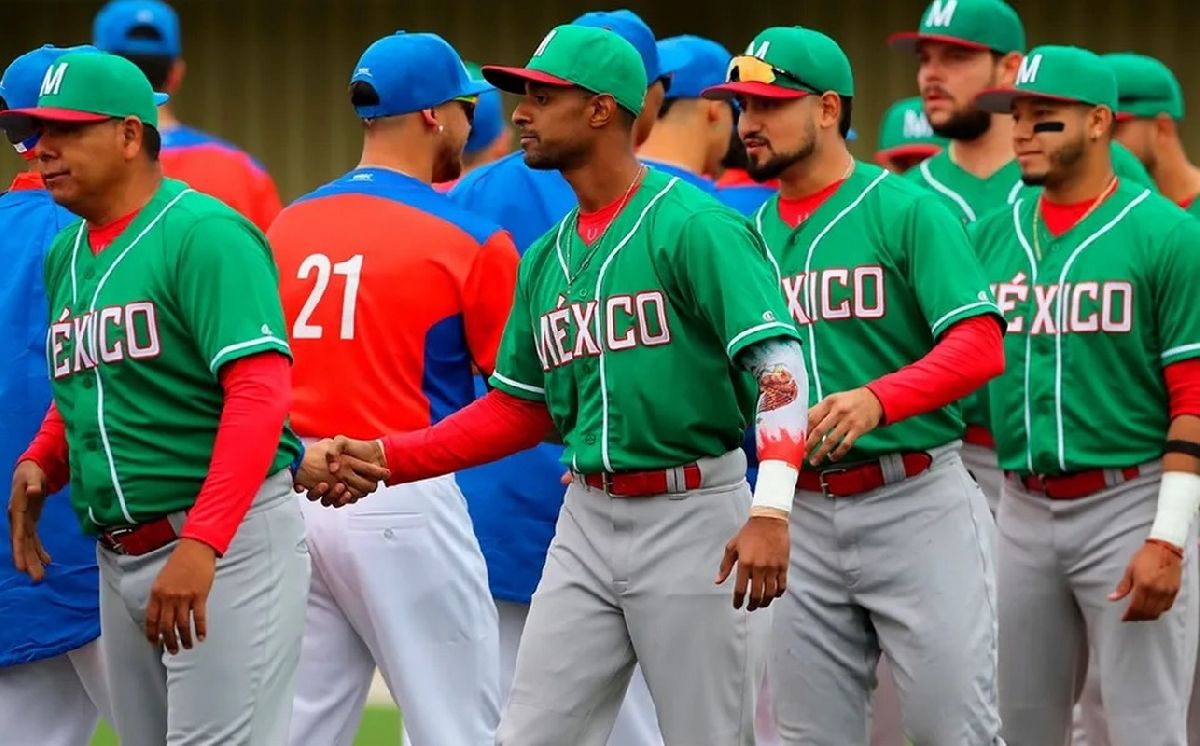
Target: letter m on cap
[[1028, 71], [941, 13], [545, 43], [53, 79]]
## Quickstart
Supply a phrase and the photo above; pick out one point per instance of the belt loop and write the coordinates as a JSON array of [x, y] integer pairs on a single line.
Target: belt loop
[[676, 483], [1113, 477], [177, 520], [892, 466]]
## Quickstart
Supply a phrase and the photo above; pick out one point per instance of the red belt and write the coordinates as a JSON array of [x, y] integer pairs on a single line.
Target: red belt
[[642, 483], [1071, 486], [979, 436], [855, 480], [140, 539]]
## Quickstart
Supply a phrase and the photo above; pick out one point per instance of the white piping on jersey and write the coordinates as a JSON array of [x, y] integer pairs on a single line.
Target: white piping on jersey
[[934, 326], [599, 332], [758, 226], [74, 260], [747, 332], [112, 464], [517, 384], [939, 186], [1028, 337], [1180, 349], [558, 246], [809, 299], [1062, 315], [1016, 189], [213, 364]]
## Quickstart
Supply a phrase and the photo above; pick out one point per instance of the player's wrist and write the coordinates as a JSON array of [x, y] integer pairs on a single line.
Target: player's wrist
[[775, 489], [1178, 501]]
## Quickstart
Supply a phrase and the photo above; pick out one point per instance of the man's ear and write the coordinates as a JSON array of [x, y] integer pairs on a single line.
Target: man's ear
[[431, 119], [1100, 121], [1008, 66], [1165, 128], [175, 76], [602, 109], [831, 109]]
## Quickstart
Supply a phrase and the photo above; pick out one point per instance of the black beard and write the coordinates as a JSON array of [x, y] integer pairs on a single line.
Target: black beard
[[564, 159], [777, 164], [968, 125], [1061, 165]]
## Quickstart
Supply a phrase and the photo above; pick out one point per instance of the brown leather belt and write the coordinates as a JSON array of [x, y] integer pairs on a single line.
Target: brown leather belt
[[860, 478], [140, 539], [1074, 485], [643, 483]]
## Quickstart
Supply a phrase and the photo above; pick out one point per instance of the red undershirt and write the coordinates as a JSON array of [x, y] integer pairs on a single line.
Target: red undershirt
[[794, 211], [27, 181], [257, 397], [591, 225], [1187, 203]]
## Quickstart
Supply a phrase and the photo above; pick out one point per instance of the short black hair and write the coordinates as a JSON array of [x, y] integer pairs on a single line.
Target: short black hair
[[156, 68], [735, 156], [666, 106], [846, 115], [151, 142], [363, 93]]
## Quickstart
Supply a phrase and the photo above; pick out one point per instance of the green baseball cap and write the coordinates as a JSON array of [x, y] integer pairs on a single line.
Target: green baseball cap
[[1060, 73], [787, 62], [978, 24], [88, 87], [1145, 87], [593, 58], [905, 131]]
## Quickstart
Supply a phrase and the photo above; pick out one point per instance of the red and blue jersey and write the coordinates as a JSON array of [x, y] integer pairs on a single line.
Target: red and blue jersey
[[213, 166], [393, 295], [736, 189], [62, 612]]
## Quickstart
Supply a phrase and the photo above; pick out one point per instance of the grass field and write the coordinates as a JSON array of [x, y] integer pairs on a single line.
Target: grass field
[[380, 727]]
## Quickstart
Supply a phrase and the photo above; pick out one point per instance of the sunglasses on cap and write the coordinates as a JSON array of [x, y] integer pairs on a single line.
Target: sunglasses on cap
[[749, 69]]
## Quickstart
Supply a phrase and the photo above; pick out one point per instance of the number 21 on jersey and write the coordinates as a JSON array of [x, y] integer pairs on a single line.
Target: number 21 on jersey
[[351, 269]]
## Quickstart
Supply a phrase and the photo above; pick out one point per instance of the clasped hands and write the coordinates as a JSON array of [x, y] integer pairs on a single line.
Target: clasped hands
[[340, 471]]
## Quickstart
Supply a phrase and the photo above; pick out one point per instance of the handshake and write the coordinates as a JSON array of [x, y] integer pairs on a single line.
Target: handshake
[[340, 471]]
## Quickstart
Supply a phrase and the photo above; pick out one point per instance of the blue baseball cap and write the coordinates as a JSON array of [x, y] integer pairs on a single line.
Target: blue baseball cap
[[22, 81], [693, 63], [630, 27], [140, 27], [489, 116], [411, 72]]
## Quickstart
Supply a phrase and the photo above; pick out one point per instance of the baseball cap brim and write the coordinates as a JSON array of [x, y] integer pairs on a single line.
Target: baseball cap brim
[[513, 79], [999, 100], [905, 151], [1125, 116], [909, 42], [726, 91]]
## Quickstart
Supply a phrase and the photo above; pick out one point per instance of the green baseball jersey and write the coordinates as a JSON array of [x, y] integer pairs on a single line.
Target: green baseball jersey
[[1093, 317], [866, 280], [1193, 208], [631, 341], [137, 335], [972, 198]]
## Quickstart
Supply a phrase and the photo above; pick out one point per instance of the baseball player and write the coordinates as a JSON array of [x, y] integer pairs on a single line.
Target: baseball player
[[1150, 108], [632, 322], [147, 33], [964, 47], [170, 375], [691, 135], [515, 502], [51, 671], [892, 542], [1096, 419], [409, 291], [905, 137], [491, 135]]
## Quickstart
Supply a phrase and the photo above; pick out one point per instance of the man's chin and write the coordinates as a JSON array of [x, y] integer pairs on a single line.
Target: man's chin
[[1034, 178], [539, 162]]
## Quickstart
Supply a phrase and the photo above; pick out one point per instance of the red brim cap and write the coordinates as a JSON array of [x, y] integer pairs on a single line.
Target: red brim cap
[[760, 90], [48, 114], [1125, 116], [999, 100], [513, 79], [906, 151], [909, 41]]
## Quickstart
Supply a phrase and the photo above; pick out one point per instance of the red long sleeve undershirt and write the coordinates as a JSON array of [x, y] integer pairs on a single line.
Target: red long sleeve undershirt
[[1183, 387], [487, 429], [968, 355], [257, 398]]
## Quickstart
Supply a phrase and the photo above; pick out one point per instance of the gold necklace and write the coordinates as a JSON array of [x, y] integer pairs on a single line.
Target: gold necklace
[[594, 246], [1038, 210]]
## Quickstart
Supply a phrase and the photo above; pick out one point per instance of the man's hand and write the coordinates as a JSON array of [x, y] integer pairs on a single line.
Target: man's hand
[[760, 551], [839, 420], [1151, 581], [179, 593], [341, 470], [24, 508]]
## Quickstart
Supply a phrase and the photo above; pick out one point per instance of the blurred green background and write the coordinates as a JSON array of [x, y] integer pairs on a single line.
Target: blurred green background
[[271, 75]]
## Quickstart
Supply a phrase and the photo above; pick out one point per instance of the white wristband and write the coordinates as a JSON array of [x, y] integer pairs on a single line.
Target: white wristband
[[1178, 501], [776, 485]]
